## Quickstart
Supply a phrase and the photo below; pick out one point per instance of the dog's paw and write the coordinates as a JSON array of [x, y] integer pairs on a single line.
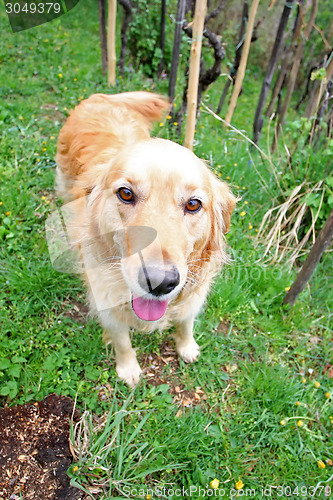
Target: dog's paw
[[189, 352], [130, 373]]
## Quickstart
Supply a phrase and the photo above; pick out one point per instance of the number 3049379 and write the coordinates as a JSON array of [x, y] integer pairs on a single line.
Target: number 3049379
[[33, 8]]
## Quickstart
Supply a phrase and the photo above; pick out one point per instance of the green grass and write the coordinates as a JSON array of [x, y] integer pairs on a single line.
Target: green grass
[[254, 353]]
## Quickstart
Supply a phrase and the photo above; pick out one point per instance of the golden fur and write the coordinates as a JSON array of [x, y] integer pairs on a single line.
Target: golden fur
[[103, 149]]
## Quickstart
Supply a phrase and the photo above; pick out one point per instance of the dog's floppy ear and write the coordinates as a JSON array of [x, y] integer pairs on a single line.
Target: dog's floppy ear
[[223, 204]]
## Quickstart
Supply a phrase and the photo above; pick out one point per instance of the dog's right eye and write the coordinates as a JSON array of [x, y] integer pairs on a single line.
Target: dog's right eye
[[126, 195]]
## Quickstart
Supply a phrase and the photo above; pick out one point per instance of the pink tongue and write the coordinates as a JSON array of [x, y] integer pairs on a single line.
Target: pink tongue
[[149, 310]]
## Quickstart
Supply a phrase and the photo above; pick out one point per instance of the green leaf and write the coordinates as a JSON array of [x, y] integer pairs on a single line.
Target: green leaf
[[4, 363], [10, 389], [15, 370], [18, 359]]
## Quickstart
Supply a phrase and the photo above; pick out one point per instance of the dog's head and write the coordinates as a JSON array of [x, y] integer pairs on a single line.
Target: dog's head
[[167, 214]]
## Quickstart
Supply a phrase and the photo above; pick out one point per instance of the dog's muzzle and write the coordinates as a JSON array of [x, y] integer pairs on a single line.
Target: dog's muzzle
[[157, 282]]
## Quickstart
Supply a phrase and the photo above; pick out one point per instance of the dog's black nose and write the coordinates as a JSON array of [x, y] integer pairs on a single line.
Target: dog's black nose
[[158, 281]]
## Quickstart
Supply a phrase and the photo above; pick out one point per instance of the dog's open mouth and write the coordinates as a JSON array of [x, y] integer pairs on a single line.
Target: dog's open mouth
[[148, 310]]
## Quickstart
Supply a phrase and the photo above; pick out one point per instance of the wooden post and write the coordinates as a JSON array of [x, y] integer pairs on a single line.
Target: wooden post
[[243, 62], [102, 32], [294, 72], [112, 13], [258, 120], [176, 48], [322, 243], [315, 101], [192, 92]]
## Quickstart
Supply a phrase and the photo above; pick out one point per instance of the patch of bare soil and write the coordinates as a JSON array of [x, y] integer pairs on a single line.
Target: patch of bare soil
[[34, 451], [52, 112], [78, 312], [162, 369]]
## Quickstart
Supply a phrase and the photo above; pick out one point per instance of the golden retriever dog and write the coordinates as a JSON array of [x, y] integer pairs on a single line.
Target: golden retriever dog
[[147, 218]]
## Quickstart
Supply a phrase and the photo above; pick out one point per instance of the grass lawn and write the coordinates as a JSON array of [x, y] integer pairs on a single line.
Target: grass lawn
[[255, 412]]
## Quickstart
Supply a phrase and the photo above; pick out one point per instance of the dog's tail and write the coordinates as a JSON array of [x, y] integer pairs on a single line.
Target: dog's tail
[[147, 104], [101, 125]]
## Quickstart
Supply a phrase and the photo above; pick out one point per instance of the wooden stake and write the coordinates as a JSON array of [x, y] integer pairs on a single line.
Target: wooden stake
[[243, 62], [103, 37], [294, 72], [315, 101], [192, 92], [323, 241], [112, 13]]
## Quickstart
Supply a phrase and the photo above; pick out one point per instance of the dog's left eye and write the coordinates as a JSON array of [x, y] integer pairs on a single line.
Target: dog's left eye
[[193, 206], [126, 195]]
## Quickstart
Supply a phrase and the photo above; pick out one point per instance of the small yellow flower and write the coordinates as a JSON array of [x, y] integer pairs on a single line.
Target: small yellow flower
[[321, 464], [303, 380], [327, 395], [43, 198], [60, 75], [283, 422], [175, 123], [228, 178], [44, 142], [47, 202], [243, 188], [283, 232], [1, 203], [75, 468], [214, 484], [20, 117], [287, 289], [250, 226], [239, 485], [300, 423], [44, 149], [38, 160], [161, 124], [75, 79], [242, 214], [148, 497], [51, 137], [235, 164], [7, 213], [169, 117], [297, 403], [246, 202], [317, 385]]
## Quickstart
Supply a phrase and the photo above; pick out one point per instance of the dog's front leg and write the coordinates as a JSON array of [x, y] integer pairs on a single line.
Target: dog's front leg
[[127, 365], [186, 346]]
